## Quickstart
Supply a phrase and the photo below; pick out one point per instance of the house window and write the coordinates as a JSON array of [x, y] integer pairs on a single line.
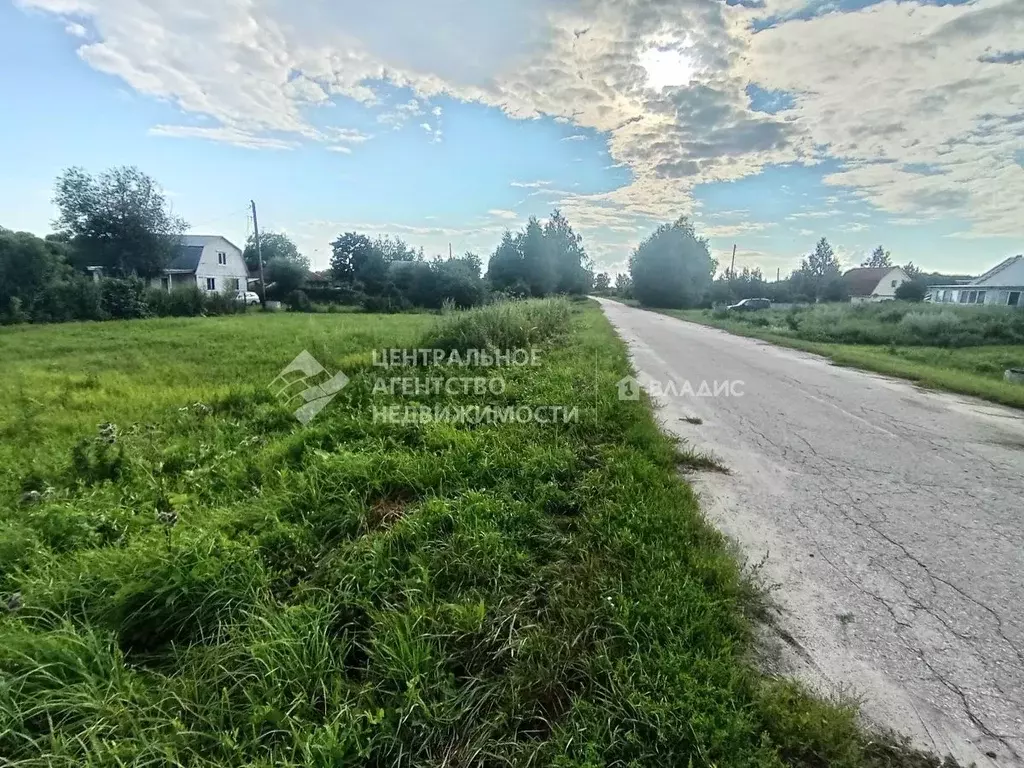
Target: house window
[[893, 283], [232, 284], [211, 284], [222, 258], [981, 297], [963, 297], [1014, 299]]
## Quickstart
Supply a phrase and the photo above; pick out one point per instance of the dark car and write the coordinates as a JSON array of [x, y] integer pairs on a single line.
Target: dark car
[[750, 305]]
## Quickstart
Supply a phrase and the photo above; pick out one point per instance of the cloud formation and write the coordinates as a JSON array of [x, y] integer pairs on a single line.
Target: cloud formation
[[883, 92]]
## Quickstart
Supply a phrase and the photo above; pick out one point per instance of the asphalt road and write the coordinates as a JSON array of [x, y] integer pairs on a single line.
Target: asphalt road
[[892, 517]]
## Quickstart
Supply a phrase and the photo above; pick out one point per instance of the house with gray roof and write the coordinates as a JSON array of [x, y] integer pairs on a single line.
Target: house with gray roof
[[865, 284], [211, 262], [1003, 286]]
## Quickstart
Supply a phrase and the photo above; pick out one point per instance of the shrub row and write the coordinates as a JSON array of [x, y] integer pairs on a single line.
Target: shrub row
[[80, 298]]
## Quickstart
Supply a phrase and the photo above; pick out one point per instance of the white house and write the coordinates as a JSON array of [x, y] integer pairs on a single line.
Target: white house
[[874, 283], [212, 262], [1003, 285]]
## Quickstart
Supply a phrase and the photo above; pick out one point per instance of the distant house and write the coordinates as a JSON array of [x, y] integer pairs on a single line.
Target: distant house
[[211, 262], [1003, 285], [874, 283]]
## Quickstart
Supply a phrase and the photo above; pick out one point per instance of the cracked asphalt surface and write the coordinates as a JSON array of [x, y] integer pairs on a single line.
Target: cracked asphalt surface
[[892, 517]]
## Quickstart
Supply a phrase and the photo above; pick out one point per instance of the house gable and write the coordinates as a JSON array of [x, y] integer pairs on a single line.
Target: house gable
[[874, 281], [892, 280], [221, 267], [1006, 274]]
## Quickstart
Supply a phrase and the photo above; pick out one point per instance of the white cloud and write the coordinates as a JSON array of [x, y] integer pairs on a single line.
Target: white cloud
[[739, 228], [346, 135], [76, 30], [225, 135], [503, 214], [341, 149], [919, 94], [575, 137], [530, 184]]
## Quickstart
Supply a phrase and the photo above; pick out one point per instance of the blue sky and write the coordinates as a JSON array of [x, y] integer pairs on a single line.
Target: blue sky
[[770, 126]]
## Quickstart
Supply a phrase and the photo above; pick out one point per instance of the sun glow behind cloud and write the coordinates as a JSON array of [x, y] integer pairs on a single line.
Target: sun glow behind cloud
[[669, 64]]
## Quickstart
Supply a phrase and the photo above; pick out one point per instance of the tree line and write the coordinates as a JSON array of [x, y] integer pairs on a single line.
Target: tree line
[[120, 221], [673, 268]]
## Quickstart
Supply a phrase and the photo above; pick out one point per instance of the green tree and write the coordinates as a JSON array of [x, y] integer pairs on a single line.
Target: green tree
[[539, 269], [27, 266], [571, 264], [119, 220], [274, 246], [602, 282], [393, 249], [912, 290], [623, 286], [506, 270], [819, 270], [878, 258], [350, 253], [673, 267]]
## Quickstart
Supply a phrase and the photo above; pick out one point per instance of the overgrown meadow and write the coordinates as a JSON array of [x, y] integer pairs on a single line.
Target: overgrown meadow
[[190, 577], [958, 348]]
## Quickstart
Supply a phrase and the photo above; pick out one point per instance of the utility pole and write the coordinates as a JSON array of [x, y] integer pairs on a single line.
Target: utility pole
[[778, 272], [259, 255], [449, 251], [732, 267]]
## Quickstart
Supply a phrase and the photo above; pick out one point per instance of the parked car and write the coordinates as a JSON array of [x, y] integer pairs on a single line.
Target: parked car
[[249, 298], [750, 305]]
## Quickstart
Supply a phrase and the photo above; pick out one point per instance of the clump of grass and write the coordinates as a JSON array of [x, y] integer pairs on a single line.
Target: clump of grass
[[506, 325], [699, 461]]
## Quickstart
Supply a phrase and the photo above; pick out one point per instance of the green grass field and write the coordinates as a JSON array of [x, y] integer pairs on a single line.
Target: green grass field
[[207, 582], [969, 370]]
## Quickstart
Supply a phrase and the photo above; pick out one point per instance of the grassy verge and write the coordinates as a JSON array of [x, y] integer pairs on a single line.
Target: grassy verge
[[208, 583], [976, 371]]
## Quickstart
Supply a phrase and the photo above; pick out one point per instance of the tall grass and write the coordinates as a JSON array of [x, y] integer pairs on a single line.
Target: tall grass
[[900, 323], [505, 325]]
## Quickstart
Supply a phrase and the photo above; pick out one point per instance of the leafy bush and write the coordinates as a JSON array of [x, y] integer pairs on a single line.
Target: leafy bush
[[13, 312], [76, 298], [912, 290], [183, 301], [124, 299], [323, 294], [298, 301], [221, 304]]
